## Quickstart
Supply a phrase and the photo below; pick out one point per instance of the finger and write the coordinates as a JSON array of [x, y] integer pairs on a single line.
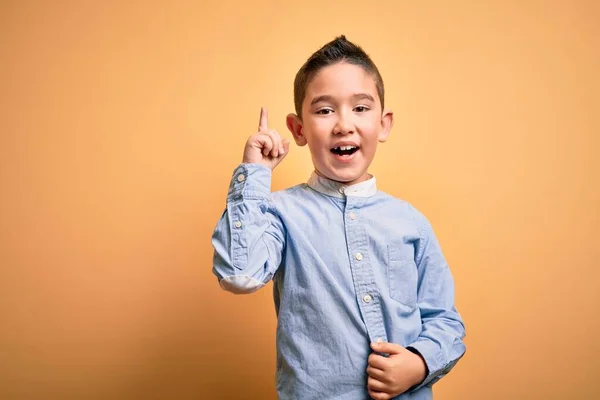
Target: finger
[[379, 395], [376, 374], [285, 148], [374, 394], [277, 144], [265, 142], [377, 361], [387, 347], [262, 122], [376, 385], [274, 152], [280, 139]]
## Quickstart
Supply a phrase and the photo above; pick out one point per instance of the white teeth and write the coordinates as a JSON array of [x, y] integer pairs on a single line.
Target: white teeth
[[344, 148]]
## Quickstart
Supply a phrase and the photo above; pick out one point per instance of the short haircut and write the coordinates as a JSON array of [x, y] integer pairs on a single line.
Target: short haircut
[[338, 50]]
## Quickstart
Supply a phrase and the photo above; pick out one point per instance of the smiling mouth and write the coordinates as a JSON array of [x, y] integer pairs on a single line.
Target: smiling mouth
[[344, 150]]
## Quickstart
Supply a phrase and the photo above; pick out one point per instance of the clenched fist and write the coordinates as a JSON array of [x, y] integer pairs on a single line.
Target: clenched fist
[[265, 147], [390, 376]]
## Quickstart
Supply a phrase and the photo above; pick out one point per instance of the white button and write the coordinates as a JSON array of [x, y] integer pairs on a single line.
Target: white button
[[342, 189], [241, 178], [237, 224], [352, 215], [367, 298], [358, 256]]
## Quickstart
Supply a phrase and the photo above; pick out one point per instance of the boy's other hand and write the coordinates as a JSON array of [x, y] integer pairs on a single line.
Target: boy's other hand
[[265, 147], [390, 376]]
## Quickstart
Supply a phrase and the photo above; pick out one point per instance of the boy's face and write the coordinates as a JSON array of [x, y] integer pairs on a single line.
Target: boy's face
[[342, 122]]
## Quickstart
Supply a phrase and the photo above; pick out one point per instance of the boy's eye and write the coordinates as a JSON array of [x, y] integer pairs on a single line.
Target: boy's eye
[[324, 111], [361, 108]]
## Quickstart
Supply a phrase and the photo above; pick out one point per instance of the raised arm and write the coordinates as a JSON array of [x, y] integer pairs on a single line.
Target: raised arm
[[249, 238]]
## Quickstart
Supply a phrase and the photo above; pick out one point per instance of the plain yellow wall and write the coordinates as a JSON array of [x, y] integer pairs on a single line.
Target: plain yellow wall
[[121, 123]]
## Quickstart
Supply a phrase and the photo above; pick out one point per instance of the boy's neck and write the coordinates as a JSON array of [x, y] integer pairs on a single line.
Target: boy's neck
[[321, 184]]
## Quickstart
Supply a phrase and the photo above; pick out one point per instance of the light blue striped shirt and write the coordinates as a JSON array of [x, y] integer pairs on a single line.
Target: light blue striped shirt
[[350, 265]]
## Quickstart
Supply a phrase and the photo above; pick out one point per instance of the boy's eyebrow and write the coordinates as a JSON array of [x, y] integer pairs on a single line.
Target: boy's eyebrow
[[362, 96], [328, 98], [322, 98]]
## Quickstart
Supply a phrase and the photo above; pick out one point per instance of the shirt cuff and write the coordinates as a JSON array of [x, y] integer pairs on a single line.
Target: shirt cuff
[[250, 181], [434, 360]]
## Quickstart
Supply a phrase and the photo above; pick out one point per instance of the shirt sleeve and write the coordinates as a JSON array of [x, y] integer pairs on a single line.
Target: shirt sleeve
[[249, 238], [441, 340]]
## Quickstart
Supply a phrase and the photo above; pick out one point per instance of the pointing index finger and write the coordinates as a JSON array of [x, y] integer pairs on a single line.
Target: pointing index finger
[[262, 123]]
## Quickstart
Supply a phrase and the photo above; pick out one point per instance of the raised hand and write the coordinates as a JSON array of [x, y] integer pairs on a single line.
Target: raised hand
[[265, 147]]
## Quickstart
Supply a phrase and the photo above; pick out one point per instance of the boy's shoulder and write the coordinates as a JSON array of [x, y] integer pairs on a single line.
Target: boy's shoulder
[[402, 206], [298, 191]]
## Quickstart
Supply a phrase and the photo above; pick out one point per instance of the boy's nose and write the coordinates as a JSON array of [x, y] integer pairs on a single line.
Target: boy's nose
[[343, 126]]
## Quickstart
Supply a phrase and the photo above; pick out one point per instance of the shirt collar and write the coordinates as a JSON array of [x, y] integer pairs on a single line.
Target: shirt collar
[[336, 189]]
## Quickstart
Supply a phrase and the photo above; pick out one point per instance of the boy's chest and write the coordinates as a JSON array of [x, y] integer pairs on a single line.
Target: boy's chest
[[342, 235]]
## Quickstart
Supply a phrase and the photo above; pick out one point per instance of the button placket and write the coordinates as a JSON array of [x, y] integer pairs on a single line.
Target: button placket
[[362, 271]]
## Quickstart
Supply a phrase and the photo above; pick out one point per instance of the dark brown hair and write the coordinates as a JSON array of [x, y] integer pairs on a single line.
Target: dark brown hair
[[338, 50]]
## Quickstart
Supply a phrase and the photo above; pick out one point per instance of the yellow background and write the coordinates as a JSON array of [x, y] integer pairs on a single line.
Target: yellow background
[[121, 123]]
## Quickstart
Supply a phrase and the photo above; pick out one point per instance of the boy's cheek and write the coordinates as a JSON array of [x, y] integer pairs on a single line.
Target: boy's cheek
[[313, 124]]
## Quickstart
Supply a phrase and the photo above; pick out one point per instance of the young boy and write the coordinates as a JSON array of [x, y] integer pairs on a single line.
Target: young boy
[[363, 295]]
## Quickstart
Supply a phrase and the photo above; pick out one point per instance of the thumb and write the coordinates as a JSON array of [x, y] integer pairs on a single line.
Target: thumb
[[386, 347], [286, 148]]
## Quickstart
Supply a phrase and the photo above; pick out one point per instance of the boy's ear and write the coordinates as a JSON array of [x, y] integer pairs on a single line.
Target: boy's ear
[[295, 126], [387, 122]]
